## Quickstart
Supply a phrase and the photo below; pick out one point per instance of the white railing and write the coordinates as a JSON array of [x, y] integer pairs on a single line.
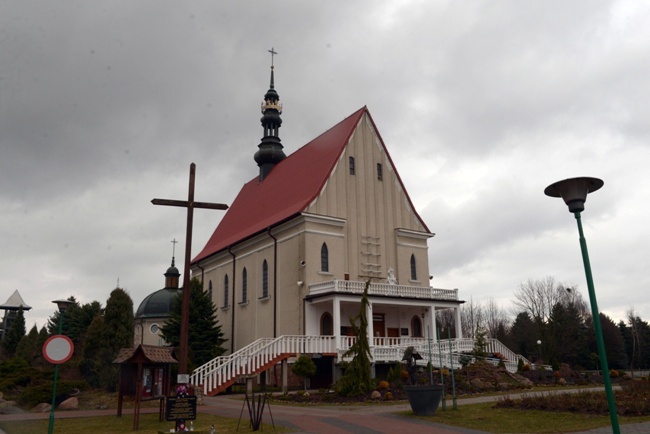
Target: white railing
[[252, 358], [255, 357], [384, 289]]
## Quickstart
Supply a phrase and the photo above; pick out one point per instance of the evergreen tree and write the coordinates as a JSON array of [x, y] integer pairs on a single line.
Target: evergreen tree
[[522, 339], [205, 339], [304, 367], [15, 333], [614, 343], [117, 333], [356, 379], [53, 321], [90, 364]]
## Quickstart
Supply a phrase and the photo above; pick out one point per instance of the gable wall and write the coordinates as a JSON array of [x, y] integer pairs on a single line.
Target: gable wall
[[373, 210]]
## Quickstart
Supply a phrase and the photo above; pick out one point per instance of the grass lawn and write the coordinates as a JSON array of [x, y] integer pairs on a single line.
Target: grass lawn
[[485, 418], [149, 424]]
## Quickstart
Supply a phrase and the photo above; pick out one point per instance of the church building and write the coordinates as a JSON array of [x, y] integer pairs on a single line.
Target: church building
[[155, 310], [289, 261]]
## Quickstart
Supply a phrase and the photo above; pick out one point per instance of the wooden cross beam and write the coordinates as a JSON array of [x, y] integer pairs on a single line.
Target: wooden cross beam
[[190, 204]]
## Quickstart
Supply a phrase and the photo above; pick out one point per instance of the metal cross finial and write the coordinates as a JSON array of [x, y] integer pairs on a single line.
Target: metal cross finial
[[174, 242], [273, 53]]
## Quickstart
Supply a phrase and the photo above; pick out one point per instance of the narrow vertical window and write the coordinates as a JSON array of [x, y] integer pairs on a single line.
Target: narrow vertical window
[[416, 327], [324, 259], [265, 279], [351, 164], [244, 286], [225, 291], [414, 271], [210, 289], [326, 325], [380, 174]]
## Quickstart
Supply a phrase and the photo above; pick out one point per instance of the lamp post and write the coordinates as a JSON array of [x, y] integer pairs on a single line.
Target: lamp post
[[63, 306], [574, 193], [539, 345]]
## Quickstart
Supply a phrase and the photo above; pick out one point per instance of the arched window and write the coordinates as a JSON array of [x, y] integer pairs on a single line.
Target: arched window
[[324, 259], [416, 327], [414, 271], [244, 286], [225, 291], [265, 279], [210, 289], [326, 325]]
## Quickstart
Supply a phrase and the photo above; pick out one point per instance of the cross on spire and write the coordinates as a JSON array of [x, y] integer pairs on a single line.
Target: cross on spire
[[273, 53], [174, 242]]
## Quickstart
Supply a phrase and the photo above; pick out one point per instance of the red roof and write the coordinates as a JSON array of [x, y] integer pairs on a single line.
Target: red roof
[[287, 190]]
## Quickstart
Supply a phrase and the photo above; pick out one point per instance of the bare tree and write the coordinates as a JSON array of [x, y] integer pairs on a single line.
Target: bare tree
[[472, 318], [496, 318], [537, 297]]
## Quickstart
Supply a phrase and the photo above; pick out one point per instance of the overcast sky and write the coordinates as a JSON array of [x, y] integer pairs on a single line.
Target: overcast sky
[[104, 105]]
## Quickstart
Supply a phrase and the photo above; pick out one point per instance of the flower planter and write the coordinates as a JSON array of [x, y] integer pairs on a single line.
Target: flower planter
[[424, 399]]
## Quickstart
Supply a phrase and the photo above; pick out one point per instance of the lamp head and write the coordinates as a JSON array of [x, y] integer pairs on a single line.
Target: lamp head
[[574, 191], [63, 305]]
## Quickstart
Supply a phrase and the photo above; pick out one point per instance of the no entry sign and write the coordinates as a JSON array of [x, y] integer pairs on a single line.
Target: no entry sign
[[58, 349]]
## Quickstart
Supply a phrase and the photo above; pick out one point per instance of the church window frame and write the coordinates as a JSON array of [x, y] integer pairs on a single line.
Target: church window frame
[[324, 259], [380, 172], [351, 165], [414, 269], [226, 292], [244, 286], [416, 327], [265, 280], [326, 324]]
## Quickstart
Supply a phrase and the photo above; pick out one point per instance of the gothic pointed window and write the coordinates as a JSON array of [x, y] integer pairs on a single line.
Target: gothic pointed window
[[324, 259], [326, 325], [416, 327], [244, 286], [414, 271], [265, 279], [225, 291]]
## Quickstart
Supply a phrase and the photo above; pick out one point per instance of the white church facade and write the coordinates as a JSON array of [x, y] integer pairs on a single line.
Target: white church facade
[[288, 263]]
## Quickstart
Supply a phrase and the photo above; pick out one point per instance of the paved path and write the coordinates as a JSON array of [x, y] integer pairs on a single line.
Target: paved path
[[369, 419]]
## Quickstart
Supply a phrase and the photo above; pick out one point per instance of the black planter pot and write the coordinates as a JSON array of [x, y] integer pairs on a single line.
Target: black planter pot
[[424, 399]]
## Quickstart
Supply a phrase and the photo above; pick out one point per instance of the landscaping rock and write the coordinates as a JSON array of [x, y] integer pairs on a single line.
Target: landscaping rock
[[69, 404], [375, 395], [41, 408], [476, 382], [10, 409]]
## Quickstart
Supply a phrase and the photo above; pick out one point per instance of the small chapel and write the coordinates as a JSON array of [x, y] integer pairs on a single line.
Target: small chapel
[[155, 310], [289, 262]]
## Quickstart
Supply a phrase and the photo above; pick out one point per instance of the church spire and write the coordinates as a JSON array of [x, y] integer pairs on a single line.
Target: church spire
[[270, 149]]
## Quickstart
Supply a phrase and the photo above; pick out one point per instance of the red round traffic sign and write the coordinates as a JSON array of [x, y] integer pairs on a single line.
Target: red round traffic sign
[[58, 349]]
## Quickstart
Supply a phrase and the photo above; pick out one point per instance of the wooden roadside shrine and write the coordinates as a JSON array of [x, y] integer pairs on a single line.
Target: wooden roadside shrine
[[144, 374]]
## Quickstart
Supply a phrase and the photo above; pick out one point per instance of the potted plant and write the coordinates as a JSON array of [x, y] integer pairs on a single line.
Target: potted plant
[[423, 398]]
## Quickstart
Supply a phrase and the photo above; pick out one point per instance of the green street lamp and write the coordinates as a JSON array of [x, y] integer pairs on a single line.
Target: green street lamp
[[63, 306], [574, 192]]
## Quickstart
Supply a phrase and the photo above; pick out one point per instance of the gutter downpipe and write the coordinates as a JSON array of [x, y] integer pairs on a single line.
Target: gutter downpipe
[[275, 283], [232, 324], [198, 264]]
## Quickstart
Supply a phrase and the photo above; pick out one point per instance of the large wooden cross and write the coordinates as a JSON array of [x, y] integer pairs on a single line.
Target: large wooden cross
[[190, 204]]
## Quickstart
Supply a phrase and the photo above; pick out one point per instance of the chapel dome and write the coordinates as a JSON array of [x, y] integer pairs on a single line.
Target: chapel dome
[[158, 304]]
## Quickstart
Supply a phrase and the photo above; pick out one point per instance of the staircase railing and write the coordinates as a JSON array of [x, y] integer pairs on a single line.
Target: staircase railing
[[263, 353], [252, 358]]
